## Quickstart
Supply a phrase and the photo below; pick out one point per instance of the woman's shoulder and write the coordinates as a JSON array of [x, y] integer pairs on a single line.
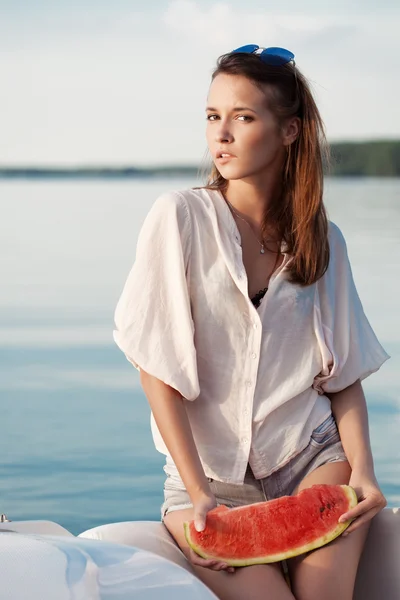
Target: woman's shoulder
[[337, 242], [176, 211], [196, 197], [338, 255], [186, 203]]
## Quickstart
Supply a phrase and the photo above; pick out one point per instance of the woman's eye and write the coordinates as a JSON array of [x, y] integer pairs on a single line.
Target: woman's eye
[[245, 118]]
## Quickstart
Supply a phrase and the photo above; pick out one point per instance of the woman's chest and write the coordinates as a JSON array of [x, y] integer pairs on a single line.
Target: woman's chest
[[219, 294], [260, 259], [260, 268]]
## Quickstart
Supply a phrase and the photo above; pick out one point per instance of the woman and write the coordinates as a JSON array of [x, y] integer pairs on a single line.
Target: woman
[[242, 315]]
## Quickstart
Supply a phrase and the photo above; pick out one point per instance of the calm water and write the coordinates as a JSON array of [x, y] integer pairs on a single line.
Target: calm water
[[75, 443]]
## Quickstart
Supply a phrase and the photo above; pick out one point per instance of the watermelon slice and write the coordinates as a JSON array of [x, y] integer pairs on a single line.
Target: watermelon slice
[[275, 530]]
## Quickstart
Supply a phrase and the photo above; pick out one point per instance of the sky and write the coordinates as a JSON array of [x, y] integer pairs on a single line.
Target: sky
[[125, 82]]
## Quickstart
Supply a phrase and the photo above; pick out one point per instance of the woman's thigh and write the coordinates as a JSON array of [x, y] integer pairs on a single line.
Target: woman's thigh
[[261, 582], [328, 572]]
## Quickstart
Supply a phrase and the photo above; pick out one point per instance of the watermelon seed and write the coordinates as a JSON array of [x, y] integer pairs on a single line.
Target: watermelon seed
[[329, 506], [321, 509]]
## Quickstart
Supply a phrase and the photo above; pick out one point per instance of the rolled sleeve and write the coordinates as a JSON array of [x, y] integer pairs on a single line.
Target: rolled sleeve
[[349, 347], [154, 325]]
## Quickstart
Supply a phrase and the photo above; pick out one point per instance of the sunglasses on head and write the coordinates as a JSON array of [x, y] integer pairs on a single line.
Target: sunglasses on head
[[271, 56]]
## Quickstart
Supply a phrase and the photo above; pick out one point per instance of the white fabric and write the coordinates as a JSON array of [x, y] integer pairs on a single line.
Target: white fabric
[[258, 377], [44, 567]]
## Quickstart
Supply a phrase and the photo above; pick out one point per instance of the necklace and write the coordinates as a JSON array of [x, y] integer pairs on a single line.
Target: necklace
[[262, 244]]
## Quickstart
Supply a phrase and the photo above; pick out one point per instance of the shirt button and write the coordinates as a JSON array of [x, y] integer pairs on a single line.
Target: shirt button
[[254, 355], [244, 440], [248, 383], [245, 411], [255, 325]]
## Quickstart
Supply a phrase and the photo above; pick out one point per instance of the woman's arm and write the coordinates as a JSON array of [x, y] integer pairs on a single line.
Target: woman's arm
[[172, 421], [350, 411]]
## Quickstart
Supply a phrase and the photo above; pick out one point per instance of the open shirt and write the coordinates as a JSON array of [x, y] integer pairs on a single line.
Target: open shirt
[[253, 380]]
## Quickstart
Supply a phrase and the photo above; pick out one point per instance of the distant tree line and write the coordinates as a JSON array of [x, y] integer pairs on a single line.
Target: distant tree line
[[353, 159], [376, 159]]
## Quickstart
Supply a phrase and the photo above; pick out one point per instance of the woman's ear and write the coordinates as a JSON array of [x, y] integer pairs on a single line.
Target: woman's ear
[[291, 130]]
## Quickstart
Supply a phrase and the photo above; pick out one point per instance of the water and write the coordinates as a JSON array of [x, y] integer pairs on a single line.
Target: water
[[75, 442]]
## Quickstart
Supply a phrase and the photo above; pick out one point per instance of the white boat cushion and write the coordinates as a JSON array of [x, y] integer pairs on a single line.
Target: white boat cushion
[[41, 527], [53, 567], [379, 570], [147, 535]]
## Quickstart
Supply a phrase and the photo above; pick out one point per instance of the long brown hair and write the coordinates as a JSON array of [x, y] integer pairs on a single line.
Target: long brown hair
[[298, 215]]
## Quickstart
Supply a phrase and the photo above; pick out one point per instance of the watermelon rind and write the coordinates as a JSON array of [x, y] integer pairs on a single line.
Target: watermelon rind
[[271, 558]]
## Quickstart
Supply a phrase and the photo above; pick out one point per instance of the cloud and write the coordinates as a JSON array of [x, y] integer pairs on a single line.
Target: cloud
[[216, 23], [222, 24]]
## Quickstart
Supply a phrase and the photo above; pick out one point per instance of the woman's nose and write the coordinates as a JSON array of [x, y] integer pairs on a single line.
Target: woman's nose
[[223, 134]]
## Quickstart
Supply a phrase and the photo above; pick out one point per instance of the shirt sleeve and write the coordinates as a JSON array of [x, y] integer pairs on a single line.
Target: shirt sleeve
[[154, 325], [349, 347]]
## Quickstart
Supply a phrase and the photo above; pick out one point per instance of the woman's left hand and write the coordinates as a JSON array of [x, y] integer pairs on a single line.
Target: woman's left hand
[[370, 500]]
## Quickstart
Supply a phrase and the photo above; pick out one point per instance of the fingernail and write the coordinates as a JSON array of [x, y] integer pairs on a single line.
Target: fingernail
[[342, 519], [198, 526]]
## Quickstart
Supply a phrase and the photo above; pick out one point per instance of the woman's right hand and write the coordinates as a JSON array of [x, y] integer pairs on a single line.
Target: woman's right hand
[[201, 506]]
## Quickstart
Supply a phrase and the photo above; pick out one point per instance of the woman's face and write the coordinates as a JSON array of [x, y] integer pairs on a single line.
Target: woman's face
[[239, 123]]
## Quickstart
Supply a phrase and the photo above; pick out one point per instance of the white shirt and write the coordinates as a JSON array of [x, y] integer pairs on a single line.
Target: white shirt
[[253, 379]]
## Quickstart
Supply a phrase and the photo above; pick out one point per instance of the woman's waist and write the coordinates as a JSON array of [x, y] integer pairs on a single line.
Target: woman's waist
[[225, 450]]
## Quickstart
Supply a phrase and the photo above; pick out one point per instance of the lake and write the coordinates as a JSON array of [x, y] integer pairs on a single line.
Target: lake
[[75, 444]]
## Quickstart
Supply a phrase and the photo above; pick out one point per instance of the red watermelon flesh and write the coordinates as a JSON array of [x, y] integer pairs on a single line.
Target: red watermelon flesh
[[274, 530]]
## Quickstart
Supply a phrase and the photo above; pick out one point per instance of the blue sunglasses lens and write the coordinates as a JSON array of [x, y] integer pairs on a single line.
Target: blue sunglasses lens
[[249, 49], [271, 56], [276, 56]]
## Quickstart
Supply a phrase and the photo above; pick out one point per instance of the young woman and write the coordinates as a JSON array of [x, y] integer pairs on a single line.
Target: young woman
[[242, 315]]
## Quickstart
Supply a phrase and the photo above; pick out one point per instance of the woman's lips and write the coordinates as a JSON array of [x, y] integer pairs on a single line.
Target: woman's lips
[[225, 158]]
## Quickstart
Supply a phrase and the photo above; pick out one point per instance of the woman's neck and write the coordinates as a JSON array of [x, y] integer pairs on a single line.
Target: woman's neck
[[250, 200]]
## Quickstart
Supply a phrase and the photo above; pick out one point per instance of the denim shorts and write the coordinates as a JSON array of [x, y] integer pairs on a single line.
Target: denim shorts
[[324, 447]]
